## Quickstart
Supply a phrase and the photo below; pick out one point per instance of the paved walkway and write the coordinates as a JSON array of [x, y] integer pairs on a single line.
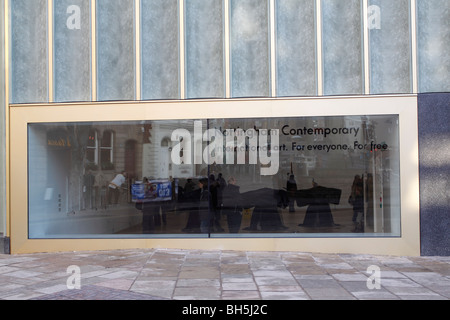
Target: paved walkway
[[163, 274]]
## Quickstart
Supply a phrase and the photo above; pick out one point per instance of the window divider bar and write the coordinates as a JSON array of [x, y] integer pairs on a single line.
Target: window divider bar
[[137, 33], [414, 58], [50, 75], [227, 55], [273, 62], [93, 51], [319, 53], [7, 166], [366, 46], [182, 53]]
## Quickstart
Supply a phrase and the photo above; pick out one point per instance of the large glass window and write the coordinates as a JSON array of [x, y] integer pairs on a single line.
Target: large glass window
[[328, 176]]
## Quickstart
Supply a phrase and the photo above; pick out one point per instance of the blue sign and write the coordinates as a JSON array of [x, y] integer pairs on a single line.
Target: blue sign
[[155, 190]]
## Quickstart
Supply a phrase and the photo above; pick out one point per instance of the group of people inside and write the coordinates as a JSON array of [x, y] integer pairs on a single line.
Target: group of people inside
[[207, 203], [209, 199]]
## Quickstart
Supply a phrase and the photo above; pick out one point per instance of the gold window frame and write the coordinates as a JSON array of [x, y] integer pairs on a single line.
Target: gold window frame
[[405, 106]]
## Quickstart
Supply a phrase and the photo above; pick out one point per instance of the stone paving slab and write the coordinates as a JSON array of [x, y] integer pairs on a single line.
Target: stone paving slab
[[92, 292], [169, 274]]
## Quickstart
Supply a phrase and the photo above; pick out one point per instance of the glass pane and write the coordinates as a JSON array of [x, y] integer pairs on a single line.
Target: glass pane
[[115, 50], [342, 47], [79, 199], [204, 49], [90, 155], [105, 156], [29, 51], [296, 48], [299, 179], [390, 46], [434, 45], [290, 177], [107, 139], [72, 50], [249, 48], [159, 49]]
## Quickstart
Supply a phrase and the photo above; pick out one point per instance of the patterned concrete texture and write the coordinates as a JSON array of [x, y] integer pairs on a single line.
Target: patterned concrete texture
[[169, 274]]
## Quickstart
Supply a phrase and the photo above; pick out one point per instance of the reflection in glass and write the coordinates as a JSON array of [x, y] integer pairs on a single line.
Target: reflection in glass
[[292, 177]]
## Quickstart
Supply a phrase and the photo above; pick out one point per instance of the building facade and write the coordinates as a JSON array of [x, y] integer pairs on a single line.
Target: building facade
[[310, 125]]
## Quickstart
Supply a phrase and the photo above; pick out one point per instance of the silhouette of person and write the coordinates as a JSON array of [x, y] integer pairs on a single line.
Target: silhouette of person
[[190, 200], [291, 188], [221, 185], [214, 194], [357, 201], [232, 205], [114, 187], [204, 206]]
